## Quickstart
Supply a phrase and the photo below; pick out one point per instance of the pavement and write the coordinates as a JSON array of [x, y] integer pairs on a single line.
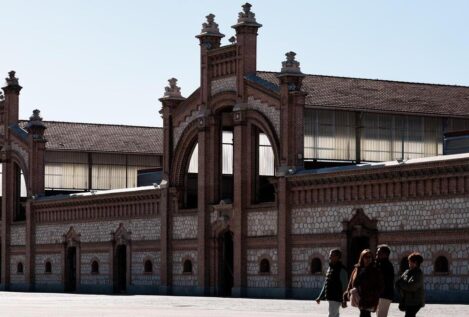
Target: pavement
[[72, 305]]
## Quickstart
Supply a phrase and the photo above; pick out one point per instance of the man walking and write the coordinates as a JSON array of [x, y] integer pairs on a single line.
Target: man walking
[[387, 271], [334, 284]]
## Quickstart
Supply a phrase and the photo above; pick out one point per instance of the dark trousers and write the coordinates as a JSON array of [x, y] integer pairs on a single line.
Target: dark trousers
[[365, 313], [411, 311]]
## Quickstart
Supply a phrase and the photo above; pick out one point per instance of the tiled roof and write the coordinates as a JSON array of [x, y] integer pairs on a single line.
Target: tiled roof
[[89, 137], [381, 95]]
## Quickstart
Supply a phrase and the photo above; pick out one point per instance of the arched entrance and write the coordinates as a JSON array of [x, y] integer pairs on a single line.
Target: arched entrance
[[362, 233], [225, 251]]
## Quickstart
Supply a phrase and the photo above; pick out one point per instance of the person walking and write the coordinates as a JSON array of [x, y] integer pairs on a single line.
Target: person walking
[[366, 282], [387, 271], [334, 284], [410, 287]]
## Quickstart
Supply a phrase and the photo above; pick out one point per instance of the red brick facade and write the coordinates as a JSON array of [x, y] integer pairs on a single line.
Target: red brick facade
[[102, 242]]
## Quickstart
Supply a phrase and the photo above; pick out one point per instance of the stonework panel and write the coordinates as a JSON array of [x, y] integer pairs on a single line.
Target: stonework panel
[[185, 227], [18, 235], [142, 229], [139, 277], [254, 277], [14, 276], [223, 84], [55, 276], [96, 279], [270, 112], [180, 278], [177, 131], [393, 216], [262, 223], [301, 266]]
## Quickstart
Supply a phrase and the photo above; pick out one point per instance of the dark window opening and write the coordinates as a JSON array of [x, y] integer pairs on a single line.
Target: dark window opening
[[227, 166], [316, 266], [48, 268], [264, 190], [187, 266], [148, 267], [191, 180], [20, 209], [94, 267], [441, 265], [264, 266], [19, 268]]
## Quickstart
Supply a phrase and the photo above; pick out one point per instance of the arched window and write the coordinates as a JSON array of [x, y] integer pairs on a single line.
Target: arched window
[[191, 179], [48, 267], [19, 268], [265, 166], [94, 267], [264, 266], [404, 265], [441, 265], [187, 267], [316, 266], [148, 267]]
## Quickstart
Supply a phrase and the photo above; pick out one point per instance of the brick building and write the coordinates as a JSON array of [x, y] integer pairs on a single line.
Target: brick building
[[264, 172]]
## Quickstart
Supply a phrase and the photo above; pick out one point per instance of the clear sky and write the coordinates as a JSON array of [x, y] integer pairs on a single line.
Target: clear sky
[[107, 61]]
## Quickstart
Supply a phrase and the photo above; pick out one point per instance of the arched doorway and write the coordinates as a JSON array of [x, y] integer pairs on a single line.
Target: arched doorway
[[225, 251], [71, 269], [362, 233], [120, 285]]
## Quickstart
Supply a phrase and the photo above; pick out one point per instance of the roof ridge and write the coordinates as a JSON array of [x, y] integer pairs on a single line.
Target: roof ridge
[[97, 124], [380, 80]]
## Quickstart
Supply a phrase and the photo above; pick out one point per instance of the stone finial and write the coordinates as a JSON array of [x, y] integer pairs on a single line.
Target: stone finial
[[210, 27], [11, 79], [35, 125], [172, 91], [247, 17], [291, 65]]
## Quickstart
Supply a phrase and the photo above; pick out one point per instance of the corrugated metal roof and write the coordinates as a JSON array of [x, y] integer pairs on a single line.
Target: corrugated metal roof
[[381, 95], [90, 137]]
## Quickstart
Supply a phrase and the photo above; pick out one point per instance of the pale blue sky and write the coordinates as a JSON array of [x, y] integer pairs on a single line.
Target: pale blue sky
[[108, 61]]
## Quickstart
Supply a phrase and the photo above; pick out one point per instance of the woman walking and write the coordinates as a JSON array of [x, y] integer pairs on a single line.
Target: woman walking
[[366, 282], [410, 287]]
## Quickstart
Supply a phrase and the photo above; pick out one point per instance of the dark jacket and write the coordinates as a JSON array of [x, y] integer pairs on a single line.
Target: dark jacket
[[387, 271], [335, 283], [410, 288], [369, 283]]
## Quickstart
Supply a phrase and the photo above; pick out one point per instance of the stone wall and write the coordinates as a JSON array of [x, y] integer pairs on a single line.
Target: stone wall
[[18, 235], [55, 276], [139, 277], [256, 279], [180, 278], [393, 216], [301, 267], [262, 223], [142, 229], [104, 277], [223, 84], [17, 278], [185, 227]]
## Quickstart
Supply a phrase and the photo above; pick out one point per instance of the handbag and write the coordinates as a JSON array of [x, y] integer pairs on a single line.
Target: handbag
[[354, 297]]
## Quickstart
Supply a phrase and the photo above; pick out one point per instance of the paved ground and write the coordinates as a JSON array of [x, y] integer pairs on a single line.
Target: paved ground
[[71, 305]]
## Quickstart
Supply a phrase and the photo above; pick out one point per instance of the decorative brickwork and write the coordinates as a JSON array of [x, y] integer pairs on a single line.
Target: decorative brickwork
[[182, 126], [179, 277], [255, 277], [139, 276], [270, 112], [395, 216], [142, 229], [262, 223], [18, 235], [43, 277], [103, 277], [223, 84], [184, 227]]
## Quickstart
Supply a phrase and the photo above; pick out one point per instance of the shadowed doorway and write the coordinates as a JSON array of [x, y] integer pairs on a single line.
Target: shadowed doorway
[[226, 263], [71, 270], [120, 269]]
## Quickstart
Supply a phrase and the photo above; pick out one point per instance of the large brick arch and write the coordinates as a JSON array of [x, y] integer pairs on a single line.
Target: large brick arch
[[182, 153], [18, 159]]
